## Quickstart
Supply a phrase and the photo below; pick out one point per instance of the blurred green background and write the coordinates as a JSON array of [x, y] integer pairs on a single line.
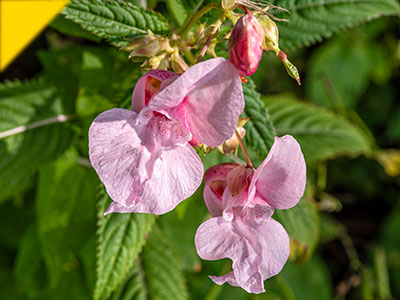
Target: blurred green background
[[345, 232]]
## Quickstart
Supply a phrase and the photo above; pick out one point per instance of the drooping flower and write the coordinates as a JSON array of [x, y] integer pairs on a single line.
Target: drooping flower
[[245, 45], [143, 155], [241, 201]]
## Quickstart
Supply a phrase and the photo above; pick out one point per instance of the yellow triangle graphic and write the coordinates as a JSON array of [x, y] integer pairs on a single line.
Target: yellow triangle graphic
[[21, 21]]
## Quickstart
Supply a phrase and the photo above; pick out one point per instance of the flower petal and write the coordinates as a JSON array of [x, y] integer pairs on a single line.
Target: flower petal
[[258, 250], [281, 178], [146, 87], [143, 177], [215, 184], [209, 97]]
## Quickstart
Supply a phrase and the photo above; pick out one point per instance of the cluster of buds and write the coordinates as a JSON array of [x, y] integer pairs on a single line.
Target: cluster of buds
[[156, 52]]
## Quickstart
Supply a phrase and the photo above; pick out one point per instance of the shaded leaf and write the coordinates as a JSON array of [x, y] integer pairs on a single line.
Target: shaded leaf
[[65, 212], [302, 224], [29, 136], [308, 281], [260, 131], [312, 20], [321, 133], [120, 238], [156, 275]]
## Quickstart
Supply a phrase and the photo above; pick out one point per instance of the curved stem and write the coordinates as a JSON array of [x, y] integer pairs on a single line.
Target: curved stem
[[190, 21], [246, 155]]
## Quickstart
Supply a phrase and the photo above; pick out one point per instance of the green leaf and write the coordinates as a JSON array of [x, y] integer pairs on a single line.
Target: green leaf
[[180, 9], [65, 211], [180, 227], [120, 239], [68, 27], [302, 224], [115, 20], [333, 64], [29, 264], [31, 132], [321, 133], [309, 281], [61, 68], [312, 20], [382, 274], [156, 275], [260, 131]]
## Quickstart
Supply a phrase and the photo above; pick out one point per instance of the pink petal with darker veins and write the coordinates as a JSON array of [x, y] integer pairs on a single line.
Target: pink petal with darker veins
[[138, 173], [208, 98], [258, 250], [281, 179]]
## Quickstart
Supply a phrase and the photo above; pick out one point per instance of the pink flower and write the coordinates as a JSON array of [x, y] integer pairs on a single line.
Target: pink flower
[[143, 156], [246, 45], [241, 201]]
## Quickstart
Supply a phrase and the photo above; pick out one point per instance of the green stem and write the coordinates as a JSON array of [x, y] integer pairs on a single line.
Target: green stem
[[245, 153], [189, 56], [191, 20]]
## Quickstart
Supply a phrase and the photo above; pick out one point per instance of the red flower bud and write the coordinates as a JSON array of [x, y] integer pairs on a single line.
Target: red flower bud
[[245, 45]]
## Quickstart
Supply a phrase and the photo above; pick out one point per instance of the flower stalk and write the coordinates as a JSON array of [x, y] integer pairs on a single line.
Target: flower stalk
[[190, 21], [245, 153]]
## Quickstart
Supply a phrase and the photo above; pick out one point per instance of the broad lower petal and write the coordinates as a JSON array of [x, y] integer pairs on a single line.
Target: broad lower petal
[[281, 178], [258, 250], [142, 178], [209, 99]]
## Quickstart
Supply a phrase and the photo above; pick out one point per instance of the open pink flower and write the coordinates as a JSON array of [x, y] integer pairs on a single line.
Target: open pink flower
[[242, 200], [143, 156]]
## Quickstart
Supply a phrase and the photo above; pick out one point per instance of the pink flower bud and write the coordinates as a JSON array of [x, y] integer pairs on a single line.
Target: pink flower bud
[[246, 45]]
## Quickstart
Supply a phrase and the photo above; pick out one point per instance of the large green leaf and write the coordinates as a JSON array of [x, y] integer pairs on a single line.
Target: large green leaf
[[312, 20], [115, 20], [156, 274], [120, 239], [321, 133], [66, 215], [302, 224], [260, 131], [30, 132]]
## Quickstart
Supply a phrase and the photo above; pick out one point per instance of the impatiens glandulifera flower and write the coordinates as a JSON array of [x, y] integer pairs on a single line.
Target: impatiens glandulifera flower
[[241, 201], [245, 45], [143, 155], [208, 99]]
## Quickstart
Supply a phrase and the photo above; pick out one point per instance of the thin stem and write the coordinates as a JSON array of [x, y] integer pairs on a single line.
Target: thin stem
[[189, 56], [210, 37], [20, 129], [190, 21], [245, 153]]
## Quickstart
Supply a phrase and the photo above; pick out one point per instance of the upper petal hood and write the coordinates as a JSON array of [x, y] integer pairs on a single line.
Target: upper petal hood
[[209, 98], [144, 178], [214, 187], [148, 85], [281, 179]]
